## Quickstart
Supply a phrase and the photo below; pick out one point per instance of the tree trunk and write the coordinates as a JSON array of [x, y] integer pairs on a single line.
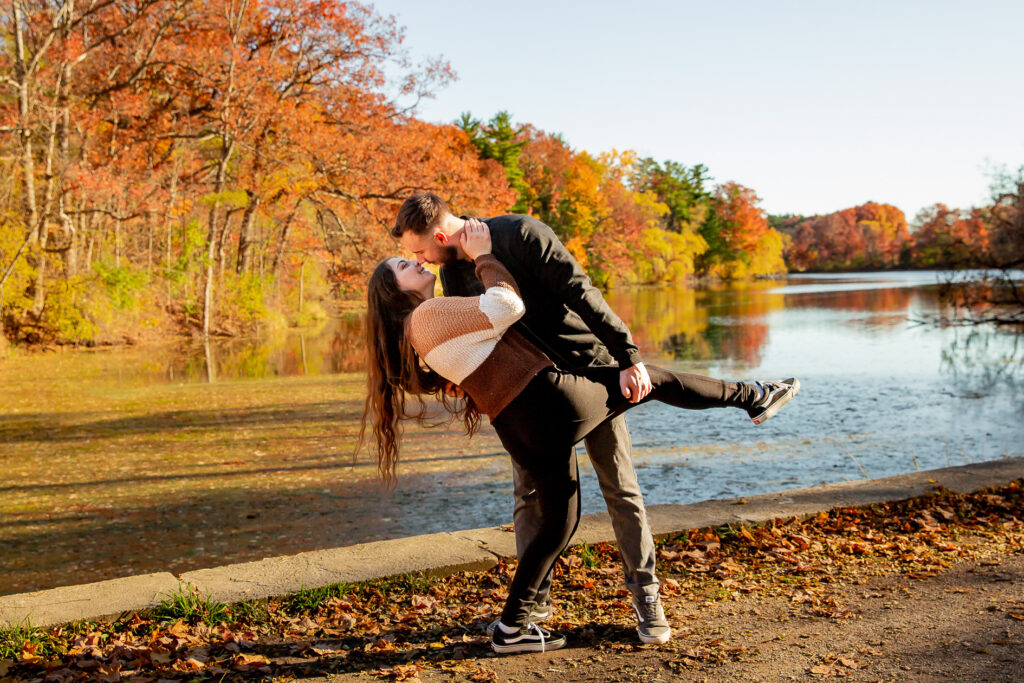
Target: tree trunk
[[39, 294], [211, 237], [247, 237], [117, 243], [171, 201], [28, 166], [222, 241], [71, 256], [281, 242], [302, 282]]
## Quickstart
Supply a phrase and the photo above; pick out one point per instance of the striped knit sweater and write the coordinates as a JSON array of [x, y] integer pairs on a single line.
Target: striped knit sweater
[[468, 340]]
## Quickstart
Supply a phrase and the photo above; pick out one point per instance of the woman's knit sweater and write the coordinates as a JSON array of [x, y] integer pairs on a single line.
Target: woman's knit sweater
[[468, 340]]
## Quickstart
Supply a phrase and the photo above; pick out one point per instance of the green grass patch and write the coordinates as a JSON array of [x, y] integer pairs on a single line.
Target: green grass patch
[[250, 612], [417, 582], [308, 600], [589, 556], [13, 640], [186, 603]]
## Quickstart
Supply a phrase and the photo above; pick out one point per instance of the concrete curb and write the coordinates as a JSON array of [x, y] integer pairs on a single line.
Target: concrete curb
[[433, 554], [86, 601], [469, 550]]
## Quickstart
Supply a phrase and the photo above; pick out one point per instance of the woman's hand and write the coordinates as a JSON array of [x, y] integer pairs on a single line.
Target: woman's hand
[[476, 238]]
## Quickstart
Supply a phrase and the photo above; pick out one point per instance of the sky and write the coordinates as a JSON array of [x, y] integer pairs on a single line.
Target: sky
[[816, 105]]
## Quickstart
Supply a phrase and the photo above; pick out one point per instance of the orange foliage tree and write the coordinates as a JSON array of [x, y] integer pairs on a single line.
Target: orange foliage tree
[[871, 235], [217, 148], [945, 237], [754, 246]]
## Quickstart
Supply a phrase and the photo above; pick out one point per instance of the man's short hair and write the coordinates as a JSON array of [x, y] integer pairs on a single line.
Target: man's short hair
[[418, 213]]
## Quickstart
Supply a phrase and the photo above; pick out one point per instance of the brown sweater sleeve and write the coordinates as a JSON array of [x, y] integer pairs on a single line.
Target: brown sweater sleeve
[[491, 272]]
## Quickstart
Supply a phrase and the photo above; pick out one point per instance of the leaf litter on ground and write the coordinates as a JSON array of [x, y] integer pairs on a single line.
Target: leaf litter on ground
[[401, 627]]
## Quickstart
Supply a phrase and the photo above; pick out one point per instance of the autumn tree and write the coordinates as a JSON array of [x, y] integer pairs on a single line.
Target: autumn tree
[[949, 238], [750, 246], [997, 296], [871, 235], [196, 148]]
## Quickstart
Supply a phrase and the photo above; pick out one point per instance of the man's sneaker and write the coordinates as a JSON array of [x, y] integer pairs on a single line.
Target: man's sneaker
[[776, 395], [652, 626], [540, 612], [531, 638]]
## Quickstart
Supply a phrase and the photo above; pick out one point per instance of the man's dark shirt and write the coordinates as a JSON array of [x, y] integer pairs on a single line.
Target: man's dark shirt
[[566, 316]]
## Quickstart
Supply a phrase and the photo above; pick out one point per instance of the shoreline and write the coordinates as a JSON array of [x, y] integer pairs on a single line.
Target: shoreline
[[469, 550], [339, 309]]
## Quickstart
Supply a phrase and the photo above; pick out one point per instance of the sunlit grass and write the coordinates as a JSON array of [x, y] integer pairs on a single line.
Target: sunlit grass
[[188, 604]]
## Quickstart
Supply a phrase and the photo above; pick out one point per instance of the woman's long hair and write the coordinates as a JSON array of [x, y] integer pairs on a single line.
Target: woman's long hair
[[394, 369]]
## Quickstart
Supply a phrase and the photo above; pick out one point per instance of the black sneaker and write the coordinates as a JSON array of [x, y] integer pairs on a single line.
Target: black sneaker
[[532, 638], [540, 612], [776, 395]]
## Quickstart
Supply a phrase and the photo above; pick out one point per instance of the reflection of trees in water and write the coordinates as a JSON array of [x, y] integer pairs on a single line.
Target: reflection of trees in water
[[978, 361], [734, 342], [876, 300], [348, 345], [335, 348], [679, 322]]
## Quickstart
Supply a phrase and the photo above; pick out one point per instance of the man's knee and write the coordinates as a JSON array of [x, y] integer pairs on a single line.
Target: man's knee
[[609, 444]]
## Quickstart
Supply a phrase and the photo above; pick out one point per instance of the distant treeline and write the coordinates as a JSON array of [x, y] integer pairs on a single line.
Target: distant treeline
[[873, 236], [174, 166]]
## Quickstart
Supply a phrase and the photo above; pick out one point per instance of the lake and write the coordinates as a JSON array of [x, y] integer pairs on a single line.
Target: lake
[[181, 456]]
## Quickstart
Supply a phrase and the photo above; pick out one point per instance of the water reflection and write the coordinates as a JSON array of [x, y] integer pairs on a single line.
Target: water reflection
[[730, 324], [981, 362], [336, 347]]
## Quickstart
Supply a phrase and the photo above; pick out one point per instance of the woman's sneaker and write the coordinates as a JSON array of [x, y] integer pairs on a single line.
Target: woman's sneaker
[[540, 612], [776, 395], [652, 626], [531, 638]]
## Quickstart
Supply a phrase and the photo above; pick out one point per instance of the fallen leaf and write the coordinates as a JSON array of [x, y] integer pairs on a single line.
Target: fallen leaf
[[401, 672], [249, 661], [423, 602], [28, 652]]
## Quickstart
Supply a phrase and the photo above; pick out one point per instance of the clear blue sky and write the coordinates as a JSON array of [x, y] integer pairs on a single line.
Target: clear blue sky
[[816, 105]]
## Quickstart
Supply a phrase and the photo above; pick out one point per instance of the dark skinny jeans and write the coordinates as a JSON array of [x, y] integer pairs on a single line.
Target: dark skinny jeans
[[542, 424]]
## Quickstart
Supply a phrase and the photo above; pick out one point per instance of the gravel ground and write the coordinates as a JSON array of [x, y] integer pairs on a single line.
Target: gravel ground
[[965, 624]]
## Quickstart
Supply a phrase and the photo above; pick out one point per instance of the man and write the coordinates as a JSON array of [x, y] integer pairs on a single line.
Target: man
[[570, 321]]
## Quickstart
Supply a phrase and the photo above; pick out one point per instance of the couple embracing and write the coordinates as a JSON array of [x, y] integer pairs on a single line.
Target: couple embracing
[[523, 337]]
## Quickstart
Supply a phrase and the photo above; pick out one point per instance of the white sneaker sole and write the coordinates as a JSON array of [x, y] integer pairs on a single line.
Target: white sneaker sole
[[528, 647], [774, 408], [655, 640]]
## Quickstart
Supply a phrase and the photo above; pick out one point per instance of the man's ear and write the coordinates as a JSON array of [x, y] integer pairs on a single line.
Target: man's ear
[[441, 237]]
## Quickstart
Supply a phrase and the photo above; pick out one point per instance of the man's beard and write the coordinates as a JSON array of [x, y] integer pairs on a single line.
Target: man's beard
[[448, 255]]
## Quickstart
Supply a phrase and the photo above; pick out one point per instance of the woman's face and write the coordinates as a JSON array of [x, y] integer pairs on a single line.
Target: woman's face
[[412, 277]]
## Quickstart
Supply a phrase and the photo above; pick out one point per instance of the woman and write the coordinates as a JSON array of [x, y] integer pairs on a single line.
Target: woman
[[418, 343]]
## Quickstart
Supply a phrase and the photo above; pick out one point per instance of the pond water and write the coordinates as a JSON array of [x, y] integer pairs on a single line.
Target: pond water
[[187, 456]]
